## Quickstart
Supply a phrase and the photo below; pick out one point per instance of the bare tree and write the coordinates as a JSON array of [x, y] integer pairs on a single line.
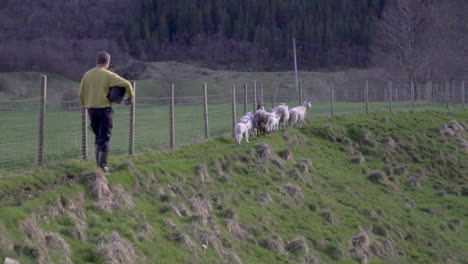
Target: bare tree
[[401, 43]]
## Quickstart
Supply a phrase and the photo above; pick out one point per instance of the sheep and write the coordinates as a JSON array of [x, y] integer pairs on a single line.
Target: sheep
[[298, 114], [248, 118], [260, 120], [283, 111], [243, 128], [273, 121]]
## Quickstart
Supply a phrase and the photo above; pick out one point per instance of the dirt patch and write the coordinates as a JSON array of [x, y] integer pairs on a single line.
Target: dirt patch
[[274, 243], [114, 249], [297, 246]]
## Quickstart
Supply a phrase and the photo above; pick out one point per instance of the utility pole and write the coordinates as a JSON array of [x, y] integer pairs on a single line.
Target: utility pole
[[295, 66]]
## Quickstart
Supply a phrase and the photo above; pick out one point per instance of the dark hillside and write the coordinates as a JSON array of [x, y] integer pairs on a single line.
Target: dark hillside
[[45, 35]]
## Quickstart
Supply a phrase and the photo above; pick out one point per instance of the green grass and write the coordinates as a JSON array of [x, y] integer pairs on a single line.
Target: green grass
[[63, 135], [336, 185]]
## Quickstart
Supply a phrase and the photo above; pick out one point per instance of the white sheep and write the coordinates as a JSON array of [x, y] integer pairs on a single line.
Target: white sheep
[[273, 121], [248, 118], [298, 114], [283, 111], [244, 128]]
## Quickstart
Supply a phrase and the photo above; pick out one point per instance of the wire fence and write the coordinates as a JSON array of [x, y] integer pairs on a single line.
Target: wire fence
[[36, 132]]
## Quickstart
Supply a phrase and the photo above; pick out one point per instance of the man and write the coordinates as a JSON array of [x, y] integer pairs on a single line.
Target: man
[[94, 89]]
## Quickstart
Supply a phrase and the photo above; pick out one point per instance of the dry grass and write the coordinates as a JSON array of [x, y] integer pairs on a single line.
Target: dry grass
[[360, 248], [53, 240], [264, 151], [201, 208], [274, 243], [297, 245], [202, 172], [99, 186], [291, 190], [209, 238], [114, 249], [232, 258], [237, 231], [264, 199]]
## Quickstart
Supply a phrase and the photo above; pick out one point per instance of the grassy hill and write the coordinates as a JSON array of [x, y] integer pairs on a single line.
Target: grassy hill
[[377, 188]]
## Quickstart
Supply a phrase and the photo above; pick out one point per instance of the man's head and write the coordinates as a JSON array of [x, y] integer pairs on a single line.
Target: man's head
[[103, 59]]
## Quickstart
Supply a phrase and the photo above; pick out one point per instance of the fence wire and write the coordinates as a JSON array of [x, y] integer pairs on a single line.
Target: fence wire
[[19, 144]]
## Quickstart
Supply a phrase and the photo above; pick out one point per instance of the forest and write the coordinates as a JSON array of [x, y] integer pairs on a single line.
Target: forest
[[63, 36]]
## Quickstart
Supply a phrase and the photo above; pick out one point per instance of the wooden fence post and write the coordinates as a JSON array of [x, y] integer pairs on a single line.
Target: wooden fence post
[[84, 134], [245, 98], [390, 96], [205, 111], [447, 93], [366, 96], [261, 94], [332, 95], [463, 94], [254, 96], [131, 138], [300, 94], [234, 114], [273, 104], [171, 120], [42, 114], [412, 95], [429, 94]]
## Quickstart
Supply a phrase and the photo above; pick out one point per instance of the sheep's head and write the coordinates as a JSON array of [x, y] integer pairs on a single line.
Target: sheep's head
[[307, 104]]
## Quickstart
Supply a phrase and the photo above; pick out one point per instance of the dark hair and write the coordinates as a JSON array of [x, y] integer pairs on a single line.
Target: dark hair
[[102, 57]]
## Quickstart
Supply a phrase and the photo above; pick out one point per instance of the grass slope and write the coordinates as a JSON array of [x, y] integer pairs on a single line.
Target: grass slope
[[216, 203]]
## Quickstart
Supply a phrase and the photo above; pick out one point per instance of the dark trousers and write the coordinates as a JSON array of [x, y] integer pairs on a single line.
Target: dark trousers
[[101, 124]]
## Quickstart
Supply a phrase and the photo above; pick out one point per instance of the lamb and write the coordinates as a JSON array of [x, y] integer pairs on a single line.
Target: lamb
[[244, 128], [298, 114], [273, 121], [283, 111], [260, 120], [248, 118]]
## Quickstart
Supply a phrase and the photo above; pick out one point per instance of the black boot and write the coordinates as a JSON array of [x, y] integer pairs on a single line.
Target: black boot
[[103, 161]]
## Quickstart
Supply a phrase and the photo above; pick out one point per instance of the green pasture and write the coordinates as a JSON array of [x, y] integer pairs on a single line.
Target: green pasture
[[63, 136]]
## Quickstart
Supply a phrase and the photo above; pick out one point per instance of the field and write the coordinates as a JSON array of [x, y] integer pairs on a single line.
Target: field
[[386, 187], [63, 135]]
